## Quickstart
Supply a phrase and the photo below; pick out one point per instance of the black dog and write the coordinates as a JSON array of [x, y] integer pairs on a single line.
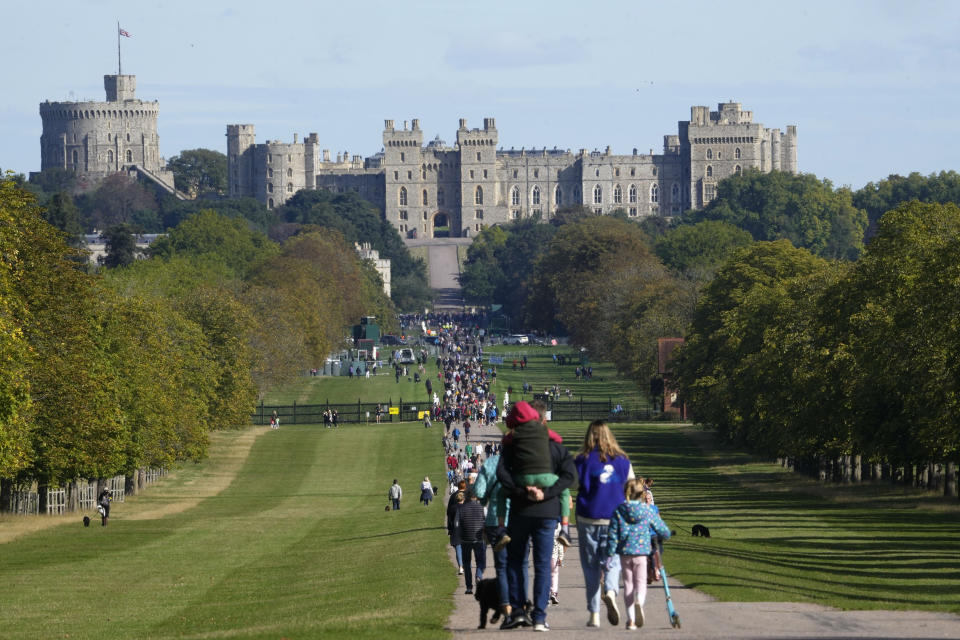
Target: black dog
[[487, 594], [86, 521], [387, 508], [700, 530]]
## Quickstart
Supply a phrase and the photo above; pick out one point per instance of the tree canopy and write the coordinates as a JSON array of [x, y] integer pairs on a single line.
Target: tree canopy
[[800, 208], [199, 172]]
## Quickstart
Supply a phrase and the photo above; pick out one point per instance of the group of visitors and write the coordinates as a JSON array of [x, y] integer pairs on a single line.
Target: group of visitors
[[525, 488]]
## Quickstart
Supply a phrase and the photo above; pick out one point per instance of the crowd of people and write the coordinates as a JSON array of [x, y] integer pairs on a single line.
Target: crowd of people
[[512, 495]]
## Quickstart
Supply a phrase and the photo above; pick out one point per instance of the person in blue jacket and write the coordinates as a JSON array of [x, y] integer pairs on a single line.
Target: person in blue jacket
[[629, 537]]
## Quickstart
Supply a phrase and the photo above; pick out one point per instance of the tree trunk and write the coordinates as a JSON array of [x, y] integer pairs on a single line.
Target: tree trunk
[[130, 483], [822, 464], [847, 461], [6, 491], [858, 469], [950, 482], [936, 477]]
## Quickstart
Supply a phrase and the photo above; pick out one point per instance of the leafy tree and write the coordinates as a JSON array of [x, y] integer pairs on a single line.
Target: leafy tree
[[571, 213], [55, 180], [358, 221], [600, 279], [16, 209], [210, 234], [698, 249], [174, 211], [199, 172], [62, 213], [77, 427], [119, 199], [724, 365], [121, 247], [800, 208], [878, 198]]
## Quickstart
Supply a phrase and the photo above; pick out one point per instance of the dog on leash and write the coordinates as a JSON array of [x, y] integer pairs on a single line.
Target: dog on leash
[[86, 521], [386, 508], [700, 530]]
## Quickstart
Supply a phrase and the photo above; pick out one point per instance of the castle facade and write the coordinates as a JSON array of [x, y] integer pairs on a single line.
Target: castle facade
[[439, 189], [96, 139]]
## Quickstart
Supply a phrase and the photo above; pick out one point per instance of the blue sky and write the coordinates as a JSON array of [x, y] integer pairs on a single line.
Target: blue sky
[[871, 86]]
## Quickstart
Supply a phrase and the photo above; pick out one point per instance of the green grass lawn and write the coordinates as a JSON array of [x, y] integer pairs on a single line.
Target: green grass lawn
[[776, 536], [298, 546]]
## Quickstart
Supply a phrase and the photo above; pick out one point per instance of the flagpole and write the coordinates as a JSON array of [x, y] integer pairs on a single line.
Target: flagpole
[[119, 66]]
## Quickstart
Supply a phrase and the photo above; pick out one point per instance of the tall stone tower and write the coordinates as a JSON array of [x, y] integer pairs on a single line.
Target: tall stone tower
[[96, 139]]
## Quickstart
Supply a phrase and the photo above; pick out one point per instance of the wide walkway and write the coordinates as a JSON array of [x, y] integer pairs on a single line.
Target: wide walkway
[[701, 616]]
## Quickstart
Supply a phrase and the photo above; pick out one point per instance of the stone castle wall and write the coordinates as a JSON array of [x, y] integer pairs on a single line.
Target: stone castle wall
[[475, 183]]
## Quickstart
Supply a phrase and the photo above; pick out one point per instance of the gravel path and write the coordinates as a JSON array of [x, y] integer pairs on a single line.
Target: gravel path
[[701, 616]]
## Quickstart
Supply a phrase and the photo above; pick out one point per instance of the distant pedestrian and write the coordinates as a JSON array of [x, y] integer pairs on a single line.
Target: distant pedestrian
[[395, 494], [426, 491], [103, 505]]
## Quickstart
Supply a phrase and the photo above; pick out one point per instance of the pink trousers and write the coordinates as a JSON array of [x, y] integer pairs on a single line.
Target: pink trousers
[[634, 570]]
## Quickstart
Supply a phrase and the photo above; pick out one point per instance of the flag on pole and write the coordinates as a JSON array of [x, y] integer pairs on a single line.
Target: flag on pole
[[124, 33]]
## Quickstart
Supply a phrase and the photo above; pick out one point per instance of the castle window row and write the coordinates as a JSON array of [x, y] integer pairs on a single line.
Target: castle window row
[[479, 142], [403, 143], [725, 140]]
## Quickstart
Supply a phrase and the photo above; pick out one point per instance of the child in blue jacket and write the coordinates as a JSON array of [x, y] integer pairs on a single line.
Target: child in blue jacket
[[629, 536]]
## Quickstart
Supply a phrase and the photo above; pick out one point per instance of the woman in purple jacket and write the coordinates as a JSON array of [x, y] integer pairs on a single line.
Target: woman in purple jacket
[[603, 468]]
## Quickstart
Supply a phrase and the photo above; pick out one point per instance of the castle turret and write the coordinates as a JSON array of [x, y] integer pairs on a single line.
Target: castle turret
[[240, 141]]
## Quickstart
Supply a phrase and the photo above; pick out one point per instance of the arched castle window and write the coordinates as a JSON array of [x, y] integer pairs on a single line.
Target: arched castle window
[[515, 196], [737, 170], [736, 153], [129, 155], [709, 171], [535, 196], [655, 193], [515, 173], [616, 172], [654, 171], [675, 192], [478, 197], [75, 156], [709, 154], [403, 156], [128, 137], [558, 196], [270, 203], [289, 173], [289, 187], [536, 173], [478, 156], [633, 171], [440, 198], [110, 156], [596, 172], [598, 195], [632, 194], [269, 173], [617, 195], [402, 200], [269, 187], [424, 198]]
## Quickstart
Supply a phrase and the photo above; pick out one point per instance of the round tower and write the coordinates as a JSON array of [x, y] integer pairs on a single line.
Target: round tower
[[95, 139]]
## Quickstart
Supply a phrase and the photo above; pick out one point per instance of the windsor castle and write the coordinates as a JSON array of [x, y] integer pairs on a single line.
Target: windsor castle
[[433, 189], [438, 189]]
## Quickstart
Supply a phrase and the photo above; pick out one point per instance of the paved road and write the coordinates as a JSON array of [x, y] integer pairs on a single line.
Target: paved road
[[701, 616]]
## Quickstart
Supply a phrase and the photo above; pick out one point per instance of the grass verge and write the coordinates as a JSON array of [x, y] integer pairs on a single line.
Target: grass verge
[[776, 536], [298, 545]]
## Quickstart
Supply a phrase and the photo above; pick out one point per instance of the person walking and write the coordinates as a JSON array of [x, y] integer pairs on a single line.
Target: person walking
[[629, 537], [426, 491], [395, 494], [534, 511], [471, 539], [103, 505], [602, 468], [453, 528]]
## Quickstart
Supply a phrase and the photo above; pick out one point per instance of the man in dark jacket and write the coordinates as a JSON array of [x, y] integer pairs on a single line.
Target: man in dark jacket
[[534, 511], [471, 539]]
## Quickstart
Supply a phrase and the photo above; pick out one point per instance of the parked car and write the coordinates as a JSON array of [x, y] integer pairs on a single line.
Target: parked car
[[516, 338], [391, 340], [405, 356]]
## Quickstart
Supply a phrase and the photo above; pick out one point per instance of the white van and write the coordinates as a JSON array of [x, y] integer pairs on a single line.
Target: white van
[[405, 356], [517, 338]]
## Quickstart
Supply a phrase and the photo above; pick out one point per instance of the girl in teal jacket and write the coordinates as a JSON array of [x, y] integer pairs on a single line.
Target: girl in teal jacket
[[629, 536]]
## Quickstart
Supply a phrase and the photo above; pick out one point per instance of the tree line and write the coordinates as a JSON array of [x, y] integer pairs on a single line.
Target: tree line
[[819, 329], [132, 367], [120, 206]]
